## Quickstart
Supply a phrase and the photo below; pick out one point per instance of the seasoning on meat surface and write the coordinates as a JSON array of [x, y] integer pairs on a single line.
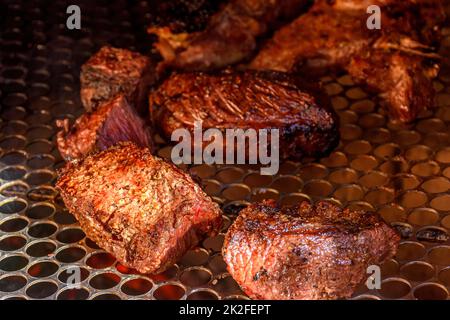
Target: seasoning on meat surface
[[305, 252], [248, 100], [397, 61], [229, 37], [112, 71], [144, 211], [112, 122]]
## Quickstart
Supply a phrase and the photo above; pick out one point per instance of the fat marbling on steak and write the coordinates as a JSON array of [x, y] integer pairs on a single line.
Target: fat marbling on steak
[[305, 252], [112, 122], [308, 126], [144, 211], [113, 71]]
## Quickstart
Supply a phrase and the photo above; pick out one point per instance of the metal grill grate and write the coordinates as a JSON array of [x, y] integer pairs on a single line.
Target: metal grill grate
[[401, 172]]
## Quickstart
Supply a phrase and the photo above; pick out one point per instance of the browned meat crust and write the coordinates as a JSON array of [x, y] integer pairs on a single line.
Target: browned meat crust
[[144, 211], [243, 100], [336, 35], [113, 71], [230, 36], [305, 251], [112, 122]]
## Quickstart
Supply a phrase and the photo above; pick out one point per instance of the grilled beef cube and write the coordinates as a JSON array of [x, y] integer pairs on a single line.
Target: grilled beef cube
[[306, 251], [113, 71], [112, 122], [230, 36], [398, 59], [144, 211], [307, 125]]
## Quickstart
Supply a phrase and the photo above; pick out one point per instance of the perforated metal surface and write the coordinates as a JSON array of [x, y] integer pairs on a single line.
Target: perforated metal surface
[[401, 172]]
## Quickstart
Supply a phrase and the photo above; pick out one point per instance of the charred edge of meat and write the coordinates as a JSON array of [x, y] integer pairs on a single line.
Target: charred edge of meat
[[114, 121]]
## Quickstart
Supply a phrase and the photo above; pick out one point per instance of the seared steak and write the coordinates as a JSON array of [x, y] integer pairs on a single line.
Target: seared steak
[[396, 61], [248, 100], [305, 251], [229, 37], [112, 71], [144, 211], [112, 122]]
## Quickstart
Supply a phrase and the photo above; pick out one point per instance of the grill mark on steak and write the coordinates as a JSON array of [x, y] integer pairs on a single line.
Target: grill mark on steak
[[306, 251], [144, 211], [248, 100]]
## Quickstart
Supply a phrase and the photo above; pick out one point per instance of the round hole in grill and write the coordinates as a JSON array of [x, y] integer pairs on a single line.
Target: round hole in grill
[[350, 132], [100, 260], [394, 288], [318, 188], [425, 169], [195, 257], [11, 283], [441, 203], [236, 192], [39, 146], [169, 292], [64, 217], [41, 289], [443, 156], [73, 294], [71, 274], [91, 244], [229, 175], [436, 185], [70, 254], [106, 296], [12, 173], [380, 196], [13, 263], [211, 187], [374, 179], [169, 274], [389, 268], [214, 243], [413, 199], [39, 177], [40, 211], [42, 230], [40, 248], [12, 189], [257, 180], [418, 153], [195, 277], [226, 286], [203, 294], [12, 243], [13, 225], [40, 161], [430, 291], [217, 265], [440, 255], [417, 271], [444, 276], [405, 182], [260, 194], [104, 281], [423, 216], [136, 287], [13, 158], [233, 208], [294, 198], [203, 171], [366, 297], [10, 206], [71, 235], [313, 171], [410, 251], [42, 269], [392, 213], [12, 142], [349, 193], [287, 184], [42, 193], [432, 234], [15, 298]]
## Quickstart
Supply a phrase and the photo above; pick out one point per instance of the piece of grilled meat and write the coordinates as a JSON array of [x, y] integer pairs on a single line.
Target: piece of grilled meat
[[144, 211], [112, 71], [112, 122], [396, 61], [307, 125], [305, 252], [229, 37]]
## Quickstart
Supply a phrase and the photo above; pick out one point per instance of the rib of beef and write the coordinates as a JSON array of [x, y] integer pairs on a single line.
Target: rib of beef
[[229, 37], [248, 100], [144, 211], [113, 71], [112, 122], [305, 251], [397, 60]]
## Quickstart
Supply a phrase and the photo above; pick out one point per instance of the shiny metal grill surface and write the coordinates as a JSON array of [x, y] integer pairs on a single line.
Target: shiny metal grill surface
[[402, 172]]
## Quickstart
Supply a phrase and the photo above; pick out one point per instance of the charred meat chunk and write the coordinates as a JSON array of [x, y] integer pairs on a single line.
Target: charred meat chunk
[[307, 125], [112, 122], [394, 61], [306, 251], [113, 71], [229, 37], [144, 211]]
